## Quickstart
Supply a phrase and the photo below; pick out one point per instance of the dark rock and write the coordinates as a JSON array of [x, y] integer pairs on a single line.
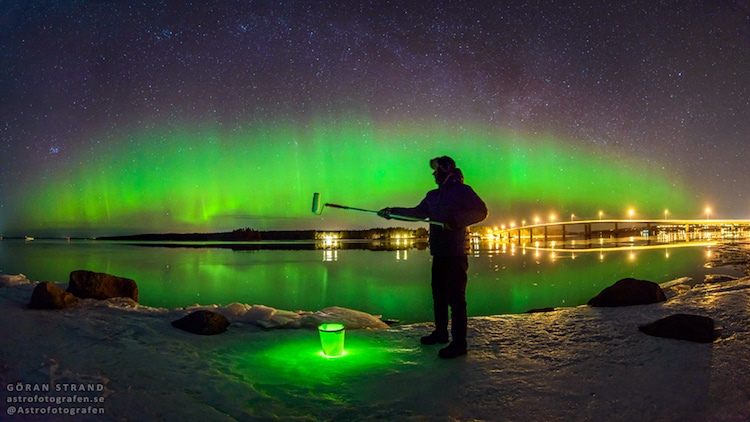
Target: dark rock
[[695, 328], [628, 292], [49, 296], [203, 322], [88, 284]]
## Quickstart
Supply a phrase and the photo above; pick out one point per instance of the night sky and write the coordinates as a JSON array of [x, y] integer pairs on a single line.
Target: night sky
[[128, 117]]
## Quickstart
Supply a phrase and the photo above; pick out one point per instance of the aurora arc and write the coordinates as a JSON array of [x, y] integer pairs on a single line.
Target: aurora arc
[[208, 178]]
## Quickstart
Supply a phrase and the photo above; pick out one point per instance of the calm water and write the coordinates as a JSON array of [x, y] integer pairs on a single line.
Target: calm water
[[395, 284]]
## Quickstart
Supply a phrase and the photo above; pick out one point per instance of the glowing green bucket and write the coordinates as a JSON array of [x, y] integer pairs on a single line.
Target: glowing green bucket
[[332, 338]]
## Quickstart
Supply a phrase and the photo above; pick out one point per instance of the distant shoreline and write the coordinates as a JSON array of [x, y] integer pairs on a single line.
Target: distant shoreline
[[251, 240], [250, 235]]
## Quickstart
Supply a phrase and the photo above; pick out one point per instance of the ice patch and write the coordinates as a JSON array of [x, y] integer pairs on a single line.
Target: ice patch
[[677, 286], [7, 280], [268, 317], [350, 318]]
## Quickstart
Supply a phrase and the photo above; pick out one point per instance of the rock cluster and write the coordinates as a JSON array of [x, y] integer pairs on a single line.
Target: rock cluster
[[101, 286], [630, 292], [82, 285]]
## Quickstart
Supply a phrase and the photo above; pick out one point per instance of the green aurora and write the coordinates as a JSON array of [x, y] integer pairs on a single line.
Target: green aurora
[[198, 178]]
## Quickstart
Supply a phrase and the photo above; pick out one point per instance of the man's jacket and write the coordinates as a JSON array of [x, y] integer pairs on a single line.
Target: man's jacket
[[454, 204]]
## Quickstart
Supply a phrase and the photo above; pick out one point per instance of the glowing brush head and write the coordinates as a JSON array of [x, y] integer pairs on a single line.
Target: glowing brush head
[[316, 207]]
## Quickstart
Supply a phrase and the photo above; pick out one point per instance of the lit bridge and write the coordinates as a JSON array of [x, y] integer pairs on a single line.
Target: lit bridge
[[615, 229]]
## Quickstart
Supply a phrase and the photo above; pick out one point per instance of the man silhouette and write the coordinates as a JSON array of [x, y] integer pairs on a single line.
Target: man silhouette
[[457, 206]]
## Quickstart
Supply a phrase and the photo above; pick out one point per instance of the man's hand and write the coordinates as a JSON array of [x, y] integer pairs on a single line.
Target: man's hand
[[385, 213]]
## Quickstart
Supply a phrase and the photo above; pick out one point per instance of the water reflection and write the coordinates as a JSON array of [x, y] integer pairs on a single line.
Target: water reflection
[[330, 255], [649, 234], [389, 278], [554, 253]]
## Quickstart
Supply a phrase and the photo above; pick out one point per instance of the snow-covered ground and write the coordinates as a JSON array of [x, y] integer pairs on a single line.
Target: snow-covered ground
[[582, 364]]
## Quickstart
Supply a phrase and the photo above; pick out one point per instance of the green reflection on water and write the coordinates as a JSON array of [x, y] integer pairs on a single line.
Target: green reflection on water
[[394, 284]]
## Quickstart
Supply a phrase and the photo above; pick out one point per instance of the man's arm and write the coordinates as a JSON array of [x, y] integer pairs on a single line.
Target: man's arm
[[420, 211]]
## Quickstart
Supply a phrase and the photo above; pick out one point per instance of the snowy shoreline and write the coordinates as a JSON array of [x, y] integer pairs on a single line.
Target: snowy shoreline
[[577, 363]]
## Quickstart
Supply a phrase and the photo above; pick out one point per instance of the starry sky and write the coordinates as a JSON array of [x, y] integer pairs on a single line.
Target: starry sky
[[121, 117]]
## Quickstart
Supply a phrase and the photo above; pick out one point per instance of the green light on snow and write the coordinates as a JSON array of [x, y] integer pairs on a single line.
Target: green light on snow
[[296, 356]]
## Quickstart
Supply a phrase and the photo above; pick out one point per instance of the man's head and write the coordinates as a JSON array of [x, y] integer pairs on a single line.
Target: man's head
[[443, 168]]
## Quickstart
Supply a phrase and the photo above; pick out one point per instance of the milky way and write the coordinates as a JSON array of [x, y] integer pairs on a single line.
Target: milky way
[[125, 116]]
